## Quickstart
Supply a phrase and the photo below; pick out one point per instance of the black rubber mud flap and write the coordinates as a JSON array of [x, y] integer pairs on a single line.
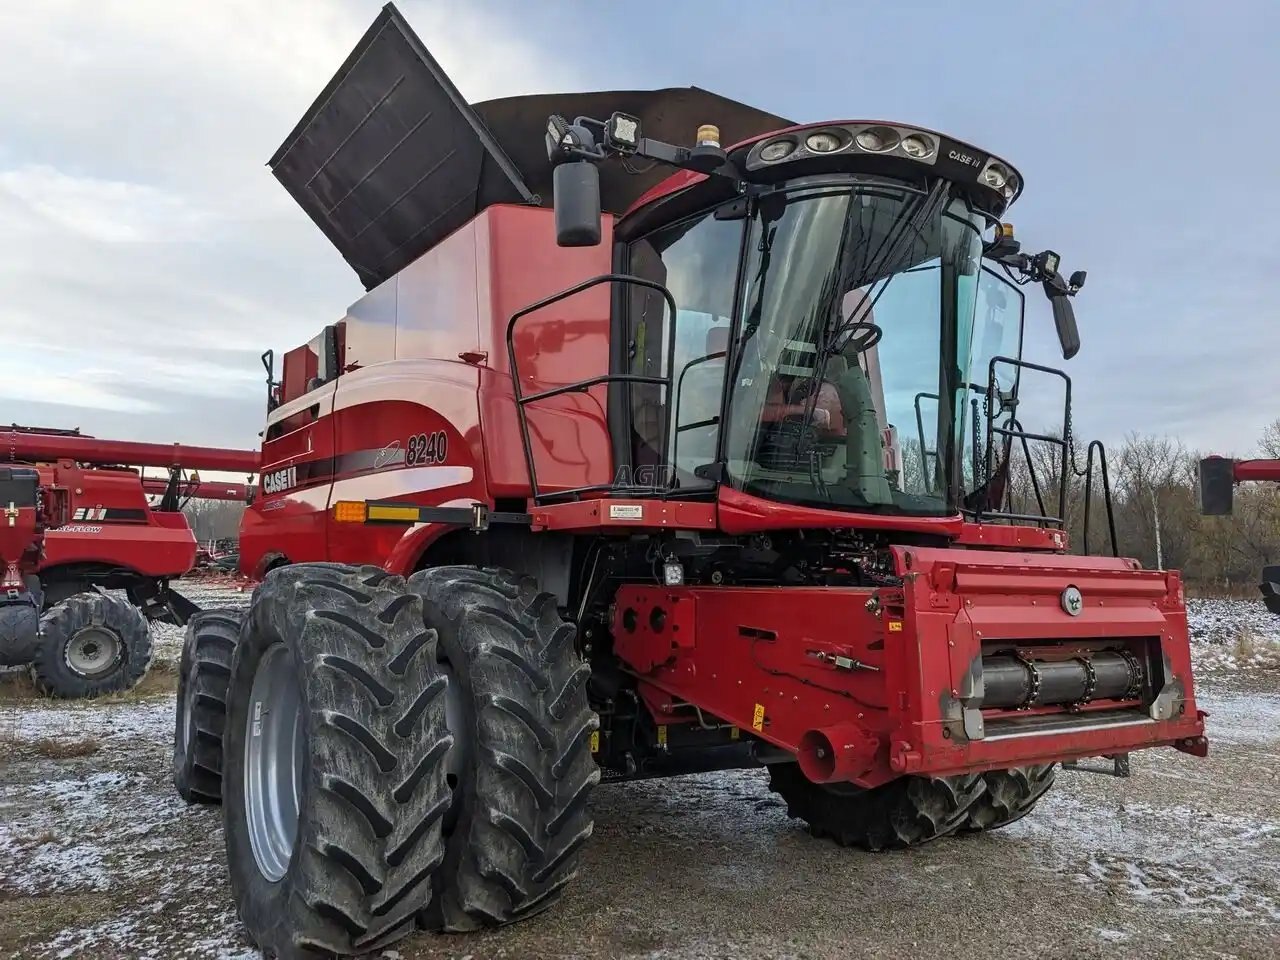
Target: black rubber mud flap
[[368, 761]]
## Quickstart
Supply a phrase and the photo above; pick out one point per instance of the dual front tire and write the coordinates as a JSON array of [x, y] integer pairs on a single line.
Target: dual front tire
[[392, 753]]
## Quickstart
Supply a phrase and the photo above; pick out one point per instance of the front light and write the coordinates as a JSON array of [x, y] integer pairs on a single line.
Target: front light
[[877, 139], [917, 147], [822, 142], [995, 176], [778, 150]]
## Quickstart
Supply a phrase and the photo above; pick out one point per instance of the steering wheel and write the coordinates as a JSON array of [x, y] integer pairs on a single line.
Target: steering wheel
[[859, 337]]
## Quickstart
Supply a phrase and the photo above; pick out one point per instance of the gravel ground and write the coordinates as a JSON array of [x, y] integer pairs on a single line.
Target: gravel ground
[[99, 858]]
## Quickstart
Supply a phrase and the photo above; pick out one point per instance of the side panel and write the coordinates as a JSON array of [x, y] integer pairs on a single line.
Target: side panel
[[436, 300], [407, 431], [112, 524], [518, 263], [288, 517]]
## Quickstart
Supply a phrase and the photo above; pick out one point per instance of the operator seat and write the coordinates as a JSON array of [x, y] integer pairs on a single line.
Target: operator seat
[[864, 453]]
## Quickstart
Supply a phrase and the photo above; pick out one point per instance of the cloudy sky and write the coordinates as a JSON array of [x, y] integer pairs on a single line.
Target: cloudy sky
[[147, 256]]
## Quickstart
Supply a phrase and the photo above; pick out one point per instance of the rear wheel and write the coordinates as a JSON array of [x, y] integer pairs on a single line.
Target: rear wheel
[[1010, 796], [334, 787], [91, 644], [906, 812], [201, 716], [521, 768]]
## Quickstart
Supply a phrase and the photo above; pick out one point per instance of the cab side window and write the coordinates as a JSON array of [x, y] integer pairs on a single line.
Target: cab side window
[[697, 260]]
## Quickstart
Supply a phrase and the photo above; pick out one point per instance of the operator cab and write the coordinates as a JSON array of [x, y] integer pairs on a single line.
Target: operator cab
[[842, 293]]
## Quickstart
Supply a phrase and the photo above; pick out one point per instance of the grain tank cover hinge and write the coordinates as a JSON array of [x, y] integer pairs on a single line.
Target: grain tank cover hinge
[[391, 159]]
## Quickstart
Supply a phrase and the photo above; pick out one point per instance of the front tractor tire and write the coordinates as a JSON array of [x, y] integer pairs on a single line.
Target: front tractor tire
[[91, 644], [521, 767], [1010, 796], [905, 812], [201, 717], [333, 774]]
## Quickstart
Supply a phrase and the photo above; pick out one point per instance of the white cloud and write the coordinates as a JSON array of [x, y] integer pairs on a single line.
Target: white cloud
[[112, 211], [146, 247]]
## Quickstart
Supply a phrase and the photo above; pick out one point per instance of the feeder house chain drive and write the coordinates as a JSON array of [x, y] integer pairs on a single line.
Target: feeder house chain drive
[[704, 466]]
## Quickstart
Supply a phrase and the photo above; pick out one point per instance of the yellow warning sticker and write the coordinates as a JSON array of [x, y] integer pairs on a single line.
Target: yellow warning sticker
[[595, 741], [734, 733], [895, 626], [757, 718], [662, 736]]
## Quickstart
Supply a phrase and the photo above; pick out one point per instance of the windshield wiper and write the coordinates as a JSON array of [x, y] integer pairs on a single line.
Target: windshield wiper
[[910, 224]]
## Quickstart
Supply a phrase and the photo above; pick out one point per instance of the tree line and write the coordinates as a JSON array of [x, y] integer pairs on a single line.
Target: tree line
[[1155, 491]]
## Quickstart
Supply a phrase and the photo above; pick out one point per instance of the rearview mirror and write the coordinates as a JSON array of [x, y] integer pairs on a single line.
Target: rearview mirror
[[576, 191], [1064, 318]]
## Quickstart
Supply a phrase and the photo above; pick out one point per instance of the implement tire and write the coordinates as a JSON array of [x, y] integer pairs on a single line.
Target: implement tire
[[91, 644], [333, 776], [522, 769], [203, 678], [1010, 796], [906, 812]]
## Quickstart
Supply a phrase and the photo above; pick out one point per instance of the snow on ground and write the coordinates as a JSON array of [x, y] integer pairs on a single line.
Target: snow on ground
[[100, 859], [1232, 634]]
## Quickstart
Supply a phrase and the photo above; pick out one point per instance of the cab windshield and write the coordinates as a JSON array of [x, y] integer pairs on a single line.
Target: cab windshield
[[858, 357]]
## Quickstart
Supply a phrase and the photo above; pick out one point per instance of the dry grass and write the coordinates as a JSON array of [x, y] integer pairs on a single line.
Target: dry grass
[[16, 686], [1245, 645], [66, 748]]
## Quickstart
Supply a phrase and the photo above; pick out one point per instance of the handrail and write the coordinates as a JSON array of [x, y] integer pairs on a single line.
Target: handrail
[[583, 385]]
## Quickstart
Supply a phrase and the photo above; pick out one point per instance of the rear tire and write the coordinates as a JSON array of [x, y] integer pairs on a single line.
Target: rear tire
[[1010, 796], [91, 644], [201, 716], [906, 812], [523, 769], [333, 782]]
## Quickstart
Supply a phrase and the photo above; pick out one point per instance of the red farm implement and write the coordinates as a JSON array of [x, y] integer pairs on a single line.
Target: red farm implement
[[79, 522], [719, 478]]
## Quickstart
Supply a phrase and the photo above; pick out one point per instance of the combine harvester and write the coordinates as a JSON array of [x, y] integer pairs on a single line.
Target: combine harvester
[[567, 496], [77, 523], [1218, 479]]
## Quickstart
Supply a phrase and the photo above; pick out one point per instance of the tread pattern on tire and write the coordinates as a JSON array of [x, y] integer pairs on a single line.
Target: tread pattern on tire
[[1010, 795], [521, 804], [374, 791], [905, 812], [61, 621], [203, 679]]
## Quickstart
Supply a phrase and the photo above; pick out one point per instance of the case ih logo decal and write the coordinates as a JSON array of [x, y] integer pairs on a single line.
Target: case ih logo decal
[[90, 513], [278, 481], [426, 448]]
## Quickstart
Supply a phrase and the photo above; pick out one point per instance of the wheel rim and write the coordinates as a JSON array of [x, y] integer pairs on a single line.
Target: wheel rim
[[93, 651], [273, 751]]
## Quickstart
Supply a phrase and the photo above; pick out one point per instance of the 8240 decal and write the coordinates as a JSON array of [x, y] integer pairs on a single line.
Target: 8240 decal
[[425, 448]]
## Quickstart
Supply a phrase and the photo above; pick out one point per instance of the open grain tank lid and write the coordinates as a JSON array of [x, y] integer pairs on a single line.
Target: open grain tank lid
[[390, 159]]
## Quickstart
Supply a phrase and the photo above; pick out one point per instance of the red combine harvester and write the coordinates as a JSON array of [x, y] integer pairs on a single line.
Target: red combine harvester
[[1218, 479], [77, 524], [629, 497]]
